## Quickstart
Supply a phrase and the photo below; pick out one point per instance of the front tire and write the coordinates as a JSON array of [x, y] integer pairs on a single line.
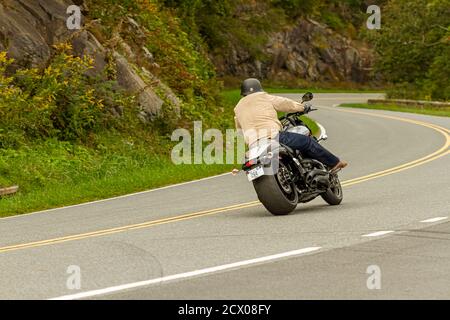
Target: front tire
[[277, 200], [334, 195]]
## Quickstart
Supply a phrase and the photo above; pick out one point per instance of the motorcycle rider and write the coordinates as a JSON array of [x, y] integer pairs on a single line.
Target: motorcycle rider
[[256, 113]]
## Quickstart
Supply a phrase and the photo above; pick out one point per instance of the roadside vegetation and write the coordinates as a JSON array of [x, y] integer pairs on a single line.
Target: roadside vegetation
[[62, 144], [413, 49], [428, 110], [59, 162], [128, 157]]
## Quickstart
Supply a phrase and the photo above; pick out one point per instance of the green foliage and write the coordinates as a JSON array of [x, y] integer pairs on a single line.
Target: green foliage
[[182, 61], [226, 24], [412, 47], [437, 84], [429, 110], [295, 8], [58, 139], [333, 20], [58, 101], [56, 173], [239, 27]]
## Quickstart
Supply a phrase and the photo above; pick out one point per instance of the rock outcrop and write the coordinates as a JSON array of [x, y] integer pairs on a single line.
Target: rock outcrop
[[29, 29], [308, 50], [150, 103]]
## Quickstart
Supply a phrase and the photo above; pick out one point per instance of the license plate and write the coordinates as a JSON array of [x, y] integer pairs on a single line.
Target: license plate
[[255, 173]]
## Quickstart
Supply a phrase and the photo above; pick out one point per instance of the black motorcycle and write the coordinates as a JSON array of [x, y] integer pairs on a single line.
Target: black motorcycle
[[283, 178]]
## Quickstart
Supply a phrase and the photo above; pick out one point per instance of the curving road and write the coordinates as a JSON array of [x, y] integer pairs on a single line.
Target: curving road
[[211, 239]]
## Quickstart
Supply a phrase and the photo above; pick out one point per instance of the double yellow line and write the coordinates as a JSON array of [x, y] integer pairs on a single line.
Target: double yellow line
[[128, 227], [428, 158], [431, 157]]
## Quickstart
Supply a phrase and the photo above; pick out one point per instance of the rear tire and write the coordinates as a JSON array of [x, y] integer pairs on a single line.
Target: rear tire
[[334, 194], [272, 196]]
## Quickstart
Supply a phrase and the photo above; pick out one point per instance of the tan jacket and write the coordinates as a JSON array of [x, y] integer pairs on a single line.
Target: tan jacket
[[256, 115]]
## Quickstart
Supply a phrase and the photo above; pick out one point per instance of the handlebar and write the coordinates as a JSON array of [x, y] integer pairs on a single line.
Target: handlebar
[[300, 113], [297, 114]]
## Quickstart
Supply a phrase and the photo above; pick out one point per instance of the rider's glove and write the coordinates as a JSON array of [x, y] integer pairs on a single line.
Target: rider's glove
[[307, 106]]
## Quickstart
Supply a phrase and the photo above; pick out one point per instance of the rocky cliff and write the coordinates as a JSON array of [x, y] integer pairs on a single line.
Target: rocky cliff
[[30, 28], [307, 50]]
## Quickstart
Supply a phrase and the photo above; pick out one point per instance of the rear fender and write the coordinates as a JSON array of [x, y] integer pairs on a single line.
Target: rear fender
[[269, 155], [280, 153]]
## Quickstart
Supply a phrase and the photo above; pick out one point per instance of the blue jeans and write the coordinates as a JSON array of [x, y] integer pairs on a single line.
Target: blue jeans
[[309, 148]]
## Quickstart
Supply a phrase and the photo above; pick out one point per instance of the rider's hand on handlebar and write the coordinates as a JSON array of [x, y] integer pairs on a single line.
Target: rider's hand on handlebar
[[308, 107]]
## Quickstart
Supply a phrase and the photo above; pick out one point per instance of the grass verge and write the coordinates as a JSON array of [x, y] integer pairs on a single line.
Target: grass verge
[[54, 173], [127, 180], [428, 110]]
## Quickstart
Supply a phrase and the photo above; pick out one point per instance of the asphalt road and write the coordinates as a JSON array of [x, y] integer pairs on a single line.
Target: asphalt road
[[210, 239]]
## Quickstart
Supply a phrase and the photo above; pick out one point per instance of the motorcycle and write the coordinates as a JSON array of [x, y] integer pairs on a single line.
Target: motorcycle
[[283, 178]]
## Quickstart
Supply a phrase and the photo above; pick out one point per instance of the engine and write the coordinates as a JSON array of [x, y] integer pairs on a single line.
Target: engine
[[316, 177]]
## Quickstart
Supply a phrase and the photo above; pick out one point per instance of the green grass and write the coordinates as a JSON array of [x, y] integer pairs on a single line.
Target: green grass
[[126, 180], [233, 94], [320, 90], [428, 110], [54, 173]]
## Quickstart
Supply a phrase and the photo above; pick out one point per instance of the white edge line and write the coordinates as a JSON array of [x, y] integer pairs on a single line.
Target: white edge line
[[114, 198], [377, 234], [434, 219], [185, 275]]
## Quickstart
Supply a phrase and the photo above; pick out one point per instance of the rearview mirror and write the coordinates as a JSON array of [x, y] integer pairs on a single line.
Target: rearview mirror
[[307, 97]]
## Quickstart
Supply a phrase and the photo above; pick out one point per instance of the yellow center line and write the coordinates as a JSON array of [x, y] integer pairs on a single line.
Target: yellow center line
[[128, 227], [420, 123], [443, 151], [428, 158], [402, 168]]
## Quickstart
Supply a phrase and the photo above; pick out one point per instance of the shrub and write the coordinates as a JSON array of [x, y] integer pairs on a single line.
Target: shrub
[[58, 101], [412, 48]]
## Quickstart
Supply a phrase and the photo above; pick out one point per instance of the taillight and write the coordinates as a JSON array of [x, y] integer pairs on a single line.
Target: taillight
[[250, 163]]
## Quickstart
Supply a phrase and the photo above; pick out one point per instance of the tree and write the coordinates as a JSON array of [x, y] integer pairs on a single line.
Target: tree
[[412, 46]]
